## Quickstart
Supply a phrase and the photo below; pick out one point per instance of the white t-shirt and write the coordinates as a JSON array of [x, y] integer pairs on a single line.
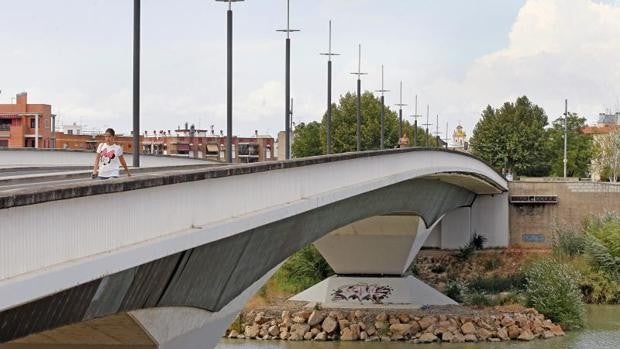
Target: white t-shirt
[[109, 162]]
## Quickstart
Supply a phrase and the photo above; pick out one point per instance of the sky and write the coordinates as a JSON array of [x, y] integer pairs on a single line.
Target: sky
[[457, 56]]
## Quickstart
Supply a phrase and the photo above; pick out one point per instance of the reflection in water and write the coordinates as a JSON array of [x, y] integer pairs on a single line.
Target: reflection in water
[[602, 332]]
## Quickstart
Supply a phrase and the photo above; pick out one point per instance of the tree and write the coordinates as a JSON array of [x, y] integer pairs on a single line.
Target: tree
[[579, 147], [307, 140], [311, 138], [513, 138], [607, 155]]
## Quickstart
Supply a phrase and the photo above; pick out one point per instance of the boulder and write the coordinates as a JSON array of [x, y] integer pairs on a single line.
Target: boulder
[[514, 331], [321, 336], [447, 336], [483, 334], [329, 325], [428, 338], [502, 334], [507, 321], [468, 328], [381, 317], [526, 335], [471, 338], [233, 334], [346, 334], [548, 334], [402, 330], [308, 336], [557, 330], [363, 336], [426, 322], [273, 331], [252, 331], [300, 329], [316, 318]]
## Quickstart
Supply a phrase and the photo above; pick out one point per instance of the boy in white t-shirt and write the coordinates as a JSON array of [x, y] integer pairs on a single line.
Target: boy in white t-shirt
[[109, 156]]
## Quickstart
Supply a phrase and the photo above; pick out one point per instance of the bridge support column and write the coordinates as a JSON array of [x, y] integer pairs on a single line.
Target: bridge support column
[[371, 258]]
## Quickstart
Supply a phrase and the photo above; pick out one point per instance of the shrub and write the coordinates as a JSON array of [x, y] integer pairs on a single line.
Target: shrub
[[597, 286], [606, 229], [455, 291], [496, 284], [473, 297], [602, 258], [303, 269], [552, 289], [492, 263], [478, 241], [567, 242]]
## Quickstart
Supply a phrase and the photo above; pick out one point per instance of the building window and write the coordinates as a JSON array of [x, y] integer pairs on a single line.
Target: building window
[[69, 132], [32, 123]]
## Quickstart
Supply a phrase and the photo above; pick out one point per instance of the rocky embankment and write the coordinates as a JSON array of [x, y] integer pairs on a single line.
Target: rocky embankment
[[369, 325]]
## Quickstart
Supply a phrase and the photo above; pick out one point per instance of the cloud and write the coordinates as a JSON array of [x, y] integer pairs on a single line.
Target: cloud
[[557, 49]]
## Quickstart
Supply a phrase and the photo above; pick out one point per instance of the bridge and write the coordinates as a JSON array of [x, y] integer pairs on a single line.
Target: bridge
[[166, 259]]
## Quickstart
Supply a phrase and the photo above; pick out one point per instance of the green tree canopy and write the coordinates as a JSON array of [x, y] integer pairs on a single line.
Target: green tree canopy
[[311, 138], [579, 147], [513, 137]]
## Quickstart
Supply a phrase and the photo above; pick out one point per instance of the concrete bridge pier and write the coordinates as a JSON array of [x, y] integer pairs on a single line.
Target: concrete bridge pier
[[371, 258]]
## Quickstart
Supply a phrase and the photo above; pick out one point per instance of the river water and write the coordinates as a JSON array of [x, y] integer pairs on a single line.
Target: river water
[[601, 332]]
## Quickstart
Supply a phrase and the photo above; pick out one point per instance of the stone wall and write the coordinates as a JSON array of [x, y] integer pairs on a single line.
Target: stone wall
[[532, 225]]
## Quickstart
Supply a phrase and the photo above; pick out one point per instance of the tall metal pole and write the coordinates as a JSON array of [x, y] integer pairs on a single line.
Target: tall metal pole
[[565, 134], [437, 131], [358, 128], [329, 55], [229, 80], [415, 117], [382, 90], [136, 84], [427, 124], [400, 106], [287, 85]]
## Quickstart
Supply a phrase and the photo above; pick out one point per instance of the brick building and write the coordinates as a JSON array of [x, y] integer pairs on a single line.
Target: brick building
[[26, 125]]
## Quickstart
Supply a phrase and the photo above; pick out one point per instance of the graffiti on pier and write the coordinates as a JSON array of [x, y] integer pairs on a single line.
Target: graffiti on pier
[[362, 292]]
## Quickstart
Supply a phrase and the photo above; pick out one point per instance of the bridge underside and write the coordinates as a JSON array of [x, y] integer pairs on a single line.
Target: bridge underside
[[210, 276]]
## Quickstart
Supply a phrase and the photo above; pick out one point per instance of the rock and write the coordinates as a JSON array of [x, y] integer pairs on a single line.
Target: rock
[[315, 331], [260, 318], [468, 328], [447, 337], [514, 331], [471, 338], [371, 330], [415, 327], [233, 334], [241, 336], [300, 329], [363, 336], [329, 325], [381, 317], [507, 321], [346, 334], [557, 330], [321, 336], [502, 334], [343, 323], [548, 334], [373, 339], [294, 337], [458, 338], [362, 326], [355, 331], [358, 314], [299, 320], [273, 331], [284, 335], [308, 336], [394, 320], [380, 325], [526, 335], [285, 315], [401, 330], [315, 318], [252, 331], [538, 330], [483, 334], [386, 339], [426, 322], [428, 338], [403, 318], [444, 324], [493, 339]]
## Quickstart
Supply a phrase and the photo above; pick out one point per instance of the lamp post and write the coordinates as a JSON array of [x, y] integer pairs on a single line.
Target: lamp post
[[382, 91], [427, 124], [229, 72], [415, 117], [565, 134], [287, 77], [136, 84], [400, 106], [329, 55], [358, 128]]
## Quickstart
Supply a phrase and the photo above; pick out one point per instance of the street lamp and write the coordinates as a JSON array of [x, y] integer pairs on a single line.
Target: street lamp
[[382, 90], [229, 69], [136, 84], [565, 134], [329, 55], [415, 117], [400, 106], [287, 93], [427, 124], [358, 129]]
